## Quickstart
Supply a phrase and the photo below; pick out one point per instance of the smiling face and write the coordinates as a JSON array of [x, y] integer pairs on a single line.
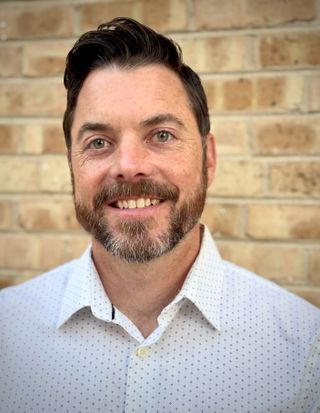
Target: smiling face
[[138, 170]]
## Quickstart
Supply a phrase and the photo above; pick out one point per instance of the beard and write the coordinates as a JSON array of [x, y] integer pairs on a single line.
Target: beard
[[132, 240]]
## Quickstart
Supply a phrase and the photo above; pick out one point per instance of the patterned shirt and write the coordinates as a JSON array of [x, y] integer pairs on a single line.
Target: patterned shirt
[[230, 341]]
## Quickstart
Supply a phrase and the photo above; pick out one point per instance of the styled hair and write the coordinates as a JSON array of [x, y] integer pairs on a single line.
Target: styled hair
[[126, 43]]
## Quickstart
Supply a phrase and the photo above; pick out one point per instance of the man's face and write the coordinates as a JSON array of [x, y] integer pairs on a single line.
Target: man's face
[[138, 169]]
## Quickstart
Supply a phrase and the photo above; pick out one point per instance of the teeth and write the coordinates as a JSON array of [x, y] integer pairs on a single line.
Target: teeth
[[137, 203]]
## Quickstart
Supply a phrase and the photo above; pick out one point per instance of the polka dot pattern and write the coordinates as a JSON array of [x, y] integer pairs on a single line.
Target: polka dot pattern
[[229, 342]]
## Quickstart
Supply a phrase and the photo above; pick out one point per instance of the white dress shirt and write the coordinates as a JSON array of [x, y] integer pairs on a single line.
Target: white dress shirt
[[229, 342]]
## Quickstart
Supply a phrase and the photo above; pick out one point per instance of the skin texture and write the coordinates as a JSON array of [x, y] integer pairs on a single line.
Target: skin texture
[[134, 125]]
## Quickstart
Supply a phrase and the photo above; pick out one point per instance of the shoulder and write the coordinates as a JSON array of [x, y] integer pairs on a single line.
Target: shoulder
[[262, 301], [45, 290]]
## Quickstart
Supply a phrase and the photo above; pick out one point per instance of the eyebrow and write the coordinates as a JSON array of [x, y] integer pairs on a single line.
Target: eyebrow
[[106, 127], [163, 118], [93, 127]]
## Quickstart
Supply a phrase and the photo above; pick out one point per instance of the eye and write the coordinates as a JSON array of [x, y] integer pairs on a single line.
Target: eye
[[97, 144], [163, 136]]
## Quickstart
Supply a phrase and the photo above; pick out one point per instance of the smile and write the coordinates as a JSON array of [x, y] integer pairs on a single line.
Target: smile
[[136, 203]]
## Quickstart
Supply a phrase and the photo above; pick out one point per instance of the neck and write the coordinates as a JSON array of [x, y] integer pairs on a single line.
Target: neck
[[141, 291]]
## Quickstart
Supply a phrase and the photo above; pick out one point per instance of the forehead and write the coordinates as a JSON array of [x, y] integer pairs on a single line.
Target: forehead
[[115, 91]]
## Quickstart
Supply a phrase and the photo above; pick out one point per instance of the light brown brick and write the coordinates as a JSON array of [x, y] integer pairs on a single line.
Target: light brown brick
[[52, 252], [31, 252], [32, 98], [9, 138], [286, 136], [26, 21], [10, 61], [295, 178], [163, 16], [238, 94], [314, 265], [274, 12], [277, 93], [41, 138], [217, 14], [314, 92], [214, 54], [283, 221], [275, 262], [77, 245], [223, 220], [45, 58], [55, 175], [231, 136], [280, 93], [53, 139], [19, 251], [239, 178], [54, 214], [293, 49], [311, 294], [6, 214], [32, 139], [15, 178]]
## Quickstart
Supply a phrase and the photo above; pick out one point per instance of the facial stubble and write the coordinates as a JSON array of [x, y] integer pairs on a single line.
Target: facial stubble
[[132, 240]]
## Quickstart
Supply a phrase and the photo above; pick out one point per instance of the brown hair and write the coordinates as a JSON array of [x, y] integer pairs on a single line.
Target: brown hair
[[126, 43]]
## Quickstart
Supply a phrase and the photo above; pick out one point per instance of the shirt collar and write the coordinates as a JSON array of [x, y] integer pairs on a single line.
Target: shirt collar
[[203, 286], [84, 289], [204, 283]]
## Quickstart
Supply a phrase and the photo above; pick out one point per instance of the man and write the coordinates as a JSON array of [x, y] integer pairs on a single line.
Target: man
[[150, 318]]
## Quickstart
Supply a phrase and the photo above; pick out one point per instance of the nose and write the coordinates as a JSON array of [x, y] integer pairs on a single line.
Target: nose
[[131, 159]]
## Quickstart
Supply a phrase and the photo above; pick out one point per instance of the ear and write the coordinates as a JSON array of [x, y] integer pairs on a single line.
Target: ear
[[211, 157]]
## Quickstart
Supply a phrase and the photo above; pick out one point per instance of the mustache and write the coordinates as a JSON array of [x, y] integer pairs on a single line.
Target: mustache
[[142, 188]]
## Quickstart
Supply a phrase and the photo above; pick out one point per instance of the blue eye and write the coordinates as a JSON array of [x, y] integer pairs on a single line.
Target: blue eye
[[163, 136], [98, 144]]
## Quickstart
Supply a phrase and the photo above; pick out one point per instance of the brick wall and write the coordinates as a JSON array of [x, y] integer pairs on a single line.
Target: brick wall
[[259, 61]]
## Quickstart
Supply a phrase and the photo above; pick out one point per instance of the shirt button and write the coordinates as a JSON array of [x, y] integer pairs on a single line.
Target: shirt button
[[142, 352]]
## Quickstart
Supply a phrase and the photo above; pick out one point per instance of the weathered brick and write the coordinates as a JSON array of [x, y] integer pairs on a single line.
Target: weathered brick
[[314, 92], [55, 175], [52, 252], [19, 251], [295, 178], [314, 265], [32, 98], [277, 93], [268, 221], [217, 14], [238, 94], [311, 294], [293, 49], [163, 16], [35, 20], [77, 245], [275, 262], [223, 220], [214, 54], [273, 12], [53, 139], [231, 136], [280, 92], [45, 58], [10, 61], [9, 138], [19, 175], [32, 140], [6, 214], [41, 138], [288, 136], [239, 178], [47, 215]]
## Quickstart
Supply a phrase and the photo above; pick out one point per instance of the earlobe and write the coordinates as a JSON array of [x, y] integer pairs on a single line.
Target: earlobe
[[211, 157]]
